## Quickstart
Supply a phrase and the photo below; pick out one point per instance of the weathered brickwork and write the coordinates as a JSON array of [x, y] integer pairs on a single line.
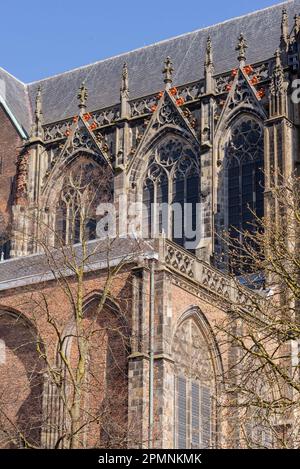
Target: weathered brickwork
[[9, 150]]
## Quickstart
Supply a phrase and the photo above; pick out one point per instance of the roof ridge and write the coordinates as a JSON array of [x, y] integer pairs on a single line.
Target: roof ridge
[[82, 67], [14, 77]]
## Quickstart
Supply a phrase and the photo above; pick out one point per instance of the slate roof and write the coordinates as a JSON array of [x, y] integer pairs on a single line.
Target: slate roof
[[261, 29], [37, 267], [16, 95]]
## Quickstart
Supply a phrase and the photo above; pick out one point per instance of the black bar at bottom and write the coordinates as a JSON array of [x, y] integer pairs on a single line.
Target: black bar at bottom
[[132, 458]]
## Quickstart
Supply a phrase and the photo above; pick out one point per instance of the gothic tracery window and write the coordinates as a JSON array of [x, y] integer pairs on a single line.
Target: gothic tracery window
[[85, 185], [171, 192], [194, 388], [244, 175]]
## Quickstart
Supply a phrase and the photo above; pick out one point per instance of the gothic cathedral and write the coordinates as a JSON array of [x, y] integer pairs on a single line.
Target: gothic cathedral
[[200, 120]]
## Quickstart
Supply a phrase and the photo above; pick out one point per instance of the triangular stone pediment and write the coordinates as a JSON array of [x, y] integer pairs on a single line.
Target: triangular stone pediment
[[79, 138], [167, 115], [241, 95]]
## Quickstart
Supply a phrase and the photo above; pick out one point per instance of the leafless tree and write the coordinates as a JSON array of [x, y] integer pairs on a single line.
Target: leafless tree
[[262, 329], [77, 352]]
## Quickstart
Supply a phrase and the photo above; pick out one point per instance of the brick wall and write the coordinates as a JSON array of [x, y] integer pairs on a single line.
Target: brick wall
[[125, 377], [10, 143], [107, 379]]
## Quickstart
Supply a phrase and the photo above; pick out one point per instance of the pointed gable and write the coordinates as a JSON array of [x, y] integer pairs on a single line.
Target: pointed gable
[[80, 138], [167, 117], [241, 97]]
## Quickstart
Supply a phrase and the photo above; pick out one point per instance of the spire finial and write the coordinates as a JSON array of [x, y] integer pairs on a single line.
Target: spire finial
[[241, 49], [277, 59], [168, 72], [124, 91], [284, 26], [278, 88], [209, 67], [208, 53], [37, 128], [124, 83], [297, 24], [38, 101], [82, 96]]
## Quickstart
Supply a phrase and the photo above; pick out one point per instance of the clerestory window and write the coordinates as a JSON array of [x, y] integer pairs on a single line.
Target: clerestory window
[[171, 194], [245, 178], [85, 185]]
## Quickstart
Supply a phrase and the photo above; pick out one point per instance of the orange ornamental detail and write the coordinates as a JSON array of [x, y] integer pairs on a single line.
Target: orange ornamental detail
[[234, 72], [87, 116], [67, 132], [173, 91], [248, 69], [179, 101], [75, 119], [261, 93], [153, 108], [228, 87], [160, 95], [254, 80], [93, 126]]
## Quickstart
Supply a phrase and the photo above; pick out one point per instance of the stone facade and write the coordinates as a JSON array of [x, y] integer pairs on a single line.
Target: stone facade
[[211, 130]]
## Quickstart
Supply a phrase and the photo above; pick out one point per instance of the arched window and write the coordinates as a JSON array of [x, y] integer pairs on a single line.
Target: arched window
[[21, 384], [85, 185], [171, 193], [245, 159], [194, 388], [244, 175]]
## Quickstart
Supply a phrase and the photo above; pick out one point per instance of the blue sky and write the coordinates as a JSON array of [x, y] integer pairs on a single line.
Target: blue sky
[[42, 38]]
